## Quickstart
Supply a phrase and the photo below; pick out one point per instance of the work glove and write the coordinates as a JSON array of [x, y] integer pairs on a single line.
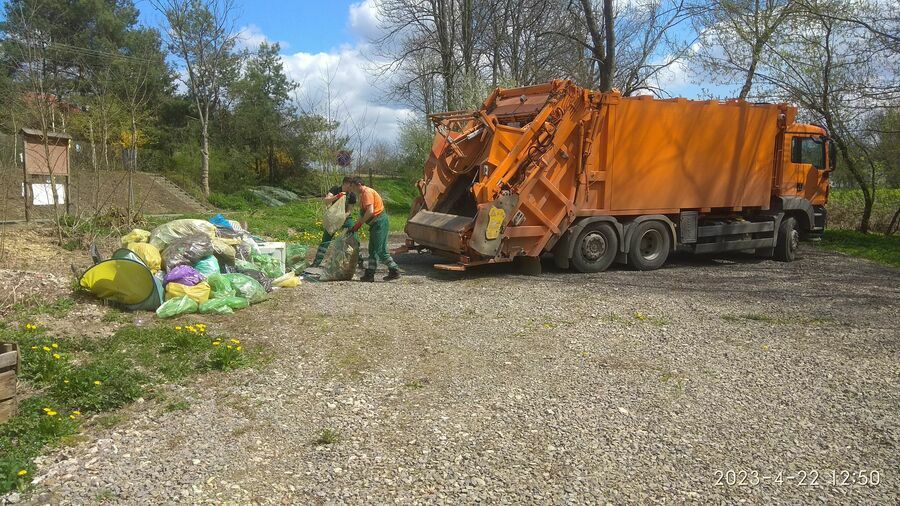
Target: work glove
[[339, 195], [356, 227]]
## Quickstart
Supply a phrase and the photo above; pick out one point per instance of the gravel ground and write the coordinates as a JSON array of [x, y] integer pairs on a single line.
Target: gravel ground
[[491, 386]]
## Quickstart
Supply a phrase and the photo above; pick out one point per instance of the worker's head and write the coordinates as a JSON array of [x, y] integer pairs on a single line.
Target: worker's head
[[347, 184], [356, 184]]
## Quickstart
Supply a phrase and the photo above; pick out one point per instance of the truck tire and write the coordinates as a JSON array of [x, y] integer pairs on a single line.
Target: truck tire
[[788, 240], [596, 248], [650, 245]]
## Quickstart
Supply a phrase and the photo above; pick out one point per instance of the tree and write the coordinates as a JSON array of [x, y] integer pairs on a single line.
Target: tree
[[841, 75], [734, 35], [264, 109], [202, 36]]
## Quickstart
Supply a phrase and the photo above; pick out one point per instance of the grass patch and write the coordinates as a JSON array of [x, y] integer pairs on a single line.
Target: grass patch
[[80, 378], [116, 316], [877, 247], [57, 309], [416, 384], [327, 437]]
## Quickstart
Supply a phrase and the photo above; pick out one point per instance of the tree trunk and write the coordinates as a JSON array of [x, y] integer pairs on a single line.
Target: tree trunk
[[609, 69], [751, 73], [204, 159]]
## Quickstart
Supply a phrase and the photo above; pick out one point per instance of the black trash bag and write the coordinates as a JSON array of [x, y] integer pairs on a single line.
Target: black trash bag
[[187, 250], [259, 276]]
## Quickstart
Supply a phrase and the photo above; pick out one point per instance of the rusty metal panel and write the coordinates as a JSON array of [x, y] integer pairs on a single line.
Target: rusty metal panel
[[439, 230]]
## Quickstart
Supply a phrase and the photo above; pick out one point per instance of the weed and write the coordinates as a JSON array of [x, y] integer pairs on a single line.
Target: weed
[[115, 316], [416, 384], [227, 355], [178, 406], [327, 437]]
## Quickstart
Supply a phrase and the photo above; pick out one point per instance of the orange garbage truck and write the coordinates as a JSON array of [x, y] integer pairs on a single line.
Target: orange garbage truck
[[595, 178]]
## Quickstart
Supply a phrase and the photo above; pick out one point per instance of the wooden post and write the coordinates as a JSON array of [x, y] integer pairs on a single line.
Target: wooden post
[[9, 368]]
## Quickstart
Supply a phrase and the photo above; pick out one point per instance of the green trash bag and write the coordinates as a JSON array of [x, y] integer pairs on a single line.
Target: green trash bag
[[177, 306], [216, 306], [267, 265], [247, 287], [220, 287], [208, 266], [237, 302], [296, 257], [244, 265]]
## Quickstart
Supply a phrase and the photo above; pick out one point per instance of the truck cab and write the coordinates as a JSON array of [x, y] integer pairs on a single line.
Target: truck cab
[[806, 163]]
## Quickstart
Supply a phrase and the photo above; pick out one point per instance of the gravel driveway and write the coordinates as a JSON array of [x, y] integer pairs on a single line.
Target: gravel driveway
[[492, 386]]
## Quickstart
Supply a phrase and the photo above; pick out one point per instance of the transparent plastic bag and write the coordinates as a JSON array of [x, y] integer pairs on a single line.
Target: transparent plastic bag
[[335, 215], [237, 302], [247, 287], [223, 251], [199, 292], [167, 233], [177, 306], [220, 287], [187, 250], [296, 257], [148, 254], [340, 259], [183, 274], [136, 235], [207, 266], [268, 265], [216, 306]]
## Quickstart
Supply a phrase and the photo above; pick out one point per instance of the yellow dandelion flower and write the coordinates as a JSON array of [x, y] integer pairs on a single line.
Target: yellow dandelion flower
[[47, 409], [46, 348], [98, 382], [34, 347], [54, 345], [178, 327], [22, 472], [216, 343], [238, 348], [229, 347], [57, 356], [235, 341], [76, 413], [66, 382], [52, 413], [71, 417]]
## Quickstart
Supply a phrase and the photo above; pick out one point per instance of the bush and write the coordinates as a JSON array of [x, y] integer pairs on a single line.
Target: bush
[[845, 207]]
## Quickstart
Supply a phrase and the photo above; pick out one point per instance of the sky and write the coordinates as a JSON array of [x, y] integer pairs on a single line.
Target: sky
[[328, 40]]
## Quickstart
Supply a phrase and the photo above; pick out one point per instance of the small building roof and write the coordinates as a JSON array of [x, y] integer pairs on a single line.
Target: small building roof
[[51, 135]]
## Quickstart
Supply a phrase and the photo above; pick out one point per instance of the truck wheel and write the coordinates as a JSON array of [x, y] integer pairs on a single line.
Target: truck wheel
[[649, 246], [788, 240], [595, 248]]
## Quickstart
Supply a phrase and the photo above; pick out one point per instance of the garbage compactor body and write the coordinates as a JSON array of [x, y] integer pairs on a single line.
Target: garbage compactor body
[[536, 168]]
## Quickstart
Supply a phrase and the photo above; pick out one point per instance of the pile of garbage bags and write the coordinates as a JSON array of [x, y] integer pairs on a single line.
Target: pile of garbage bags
[[212, 266]]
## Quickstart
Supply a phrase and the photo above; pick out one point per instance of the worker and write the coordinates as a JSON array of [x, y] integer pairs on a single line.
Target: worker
[[335, 193], [374, 214]]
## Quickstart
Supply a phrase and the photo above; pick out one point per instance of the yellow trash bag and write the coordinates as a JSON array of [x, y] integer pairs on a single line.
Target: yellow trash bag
[[136, 235], [289, 280], [148, 254], [199, 293]]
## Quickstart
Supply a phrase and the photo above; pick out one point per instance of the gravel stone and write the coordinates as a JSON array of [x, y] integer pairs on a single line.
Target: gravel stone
[[490, 386]]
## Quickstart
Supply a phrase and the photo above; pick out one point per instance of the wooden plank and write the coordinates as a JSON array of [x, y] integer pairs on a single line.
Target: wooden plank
[[9, 360], [7, 409], [7, 385]]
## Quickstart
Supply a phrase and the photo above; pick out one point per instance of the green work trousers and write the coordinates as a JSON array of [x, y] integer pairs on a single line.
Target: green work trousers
[[379, 227], [326, 240]]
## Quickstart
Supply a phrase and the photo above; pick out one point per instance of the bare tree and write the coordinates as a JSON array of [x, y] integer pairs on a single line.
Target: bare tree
[[201, 34], [734, 34]]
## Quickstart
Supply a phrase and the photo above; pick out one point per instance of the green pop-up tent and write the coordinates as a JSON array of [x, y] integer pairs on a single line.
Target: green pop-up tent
[[124, 279]]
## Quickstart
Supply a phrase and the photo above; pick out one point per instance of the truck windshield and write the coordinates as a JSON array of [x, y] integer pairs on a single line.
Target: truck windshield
[[808, 150]]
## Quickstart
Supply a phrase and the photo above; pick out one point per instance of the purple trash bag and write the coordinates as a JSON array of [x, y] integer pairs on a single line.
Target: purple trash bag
[[184, 274]]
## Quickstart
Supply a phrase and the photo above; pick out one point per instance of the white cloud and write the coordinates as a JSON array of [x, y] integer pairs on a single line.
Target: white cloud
[[342, 80], [251, 36], [363, 20]]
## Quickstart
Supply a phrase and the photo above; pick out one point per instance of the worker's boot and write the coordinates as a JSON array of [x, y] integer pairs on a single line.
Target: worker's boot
[[368, 277], [392, 275]]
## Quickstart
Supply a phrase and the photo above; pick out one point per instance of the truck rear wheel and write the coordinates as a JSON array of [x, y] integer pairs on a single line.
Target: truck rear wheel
[[595, 248], [649, 246], [788, 240]]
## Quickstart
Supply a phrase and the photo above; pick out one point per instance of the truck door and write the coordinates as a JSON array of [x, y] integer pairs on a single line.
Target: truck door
[[811, 168]]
